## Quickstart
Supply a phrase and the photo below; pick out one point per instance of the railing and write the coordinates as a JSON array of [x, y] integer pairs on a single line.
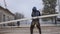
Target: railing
[[30, 18]]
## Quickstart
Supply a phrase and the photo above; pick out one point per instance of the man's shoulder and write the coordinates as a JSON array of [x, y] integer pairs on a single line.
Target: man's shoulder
[[38, 11]]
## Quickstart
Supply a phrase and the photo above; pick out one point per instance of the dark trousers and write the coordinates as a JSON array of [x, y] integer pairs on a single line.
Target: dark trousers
[[33, 25]]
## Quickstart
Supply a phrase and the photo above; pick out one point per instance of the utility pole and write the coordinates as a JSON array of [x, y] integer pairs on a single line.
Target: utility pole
[[5, 4], [5, 7]]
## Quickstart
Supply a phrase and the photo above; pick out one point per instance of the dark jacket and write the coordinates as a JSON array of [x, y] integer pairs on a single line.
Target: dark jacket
[[35, 13]]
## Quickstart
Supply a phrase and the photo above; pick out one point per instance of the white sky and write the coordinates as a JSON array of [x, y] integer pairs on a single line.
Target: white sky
[[22, 6]]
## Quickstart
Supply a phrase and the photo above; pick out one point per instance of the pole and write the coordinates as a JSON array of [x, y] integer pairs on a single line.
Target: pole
[[5, 4]]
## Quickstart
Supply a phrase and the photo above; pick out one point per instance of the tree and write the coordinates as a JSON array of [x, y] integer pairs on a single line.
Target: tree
[[18, 15], [49, 8]]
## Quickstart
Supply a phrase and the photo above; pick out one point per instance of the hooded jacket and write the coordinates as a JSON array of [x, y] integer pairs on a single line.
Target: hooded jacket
[[35, 12]]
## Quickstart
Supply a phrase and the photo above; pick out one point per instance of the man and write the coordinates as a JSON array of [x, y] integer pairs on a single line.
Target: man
[[18, 23], [35, 13]]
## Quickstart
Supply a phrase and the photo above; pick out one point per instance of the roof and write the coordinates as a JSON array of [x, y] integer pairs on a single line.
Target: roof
[[7, 10]]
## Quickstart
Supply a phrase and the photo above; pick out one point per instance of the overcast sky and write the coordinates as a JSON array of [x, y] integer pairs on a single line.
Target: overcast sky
[[22, 6]]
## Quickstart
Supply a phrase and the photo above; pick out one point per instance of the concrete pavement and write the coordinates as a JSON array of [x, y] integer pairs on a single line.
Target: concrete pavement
[[23, 30]]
